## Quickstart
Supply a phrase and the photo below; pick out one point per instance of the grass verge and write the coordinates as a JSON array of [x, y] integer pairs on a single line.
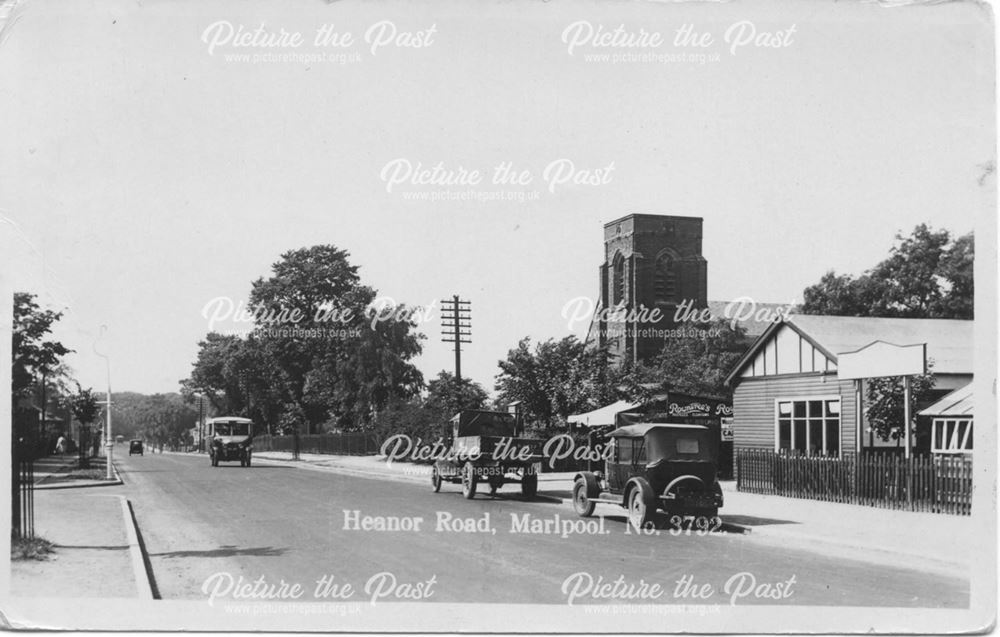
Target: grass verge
[[35, 548]]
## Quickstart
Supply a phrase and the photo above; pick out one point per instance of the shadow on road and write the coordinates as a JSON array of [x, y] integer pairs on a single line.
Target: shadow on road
[[227, 550]]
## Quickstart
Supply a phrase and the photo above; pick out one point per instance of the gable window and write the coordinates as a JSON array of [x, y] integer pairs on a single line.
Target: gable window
[[952, 435], [808, 426]]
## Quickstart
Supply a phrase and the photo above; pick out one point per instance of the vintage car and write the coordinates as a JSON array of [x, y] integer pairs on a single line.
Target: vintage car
[[230, 438], [486, 446], [135, 446], [652, 467]]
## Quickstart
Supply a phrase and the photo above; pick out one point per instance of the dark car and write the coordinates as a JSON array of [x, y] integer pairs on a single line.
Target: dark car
[[486, 446], [230, 439], [135, 446], [655, 467]]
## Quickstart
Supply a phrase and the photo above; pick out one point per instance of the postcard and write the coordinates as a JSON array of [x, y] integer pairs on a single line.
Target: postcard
[[499, 317]]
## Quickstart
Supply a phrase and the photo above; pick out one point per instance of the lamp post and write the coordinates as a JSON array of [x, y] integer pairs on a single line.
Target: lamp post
[[109, 443]]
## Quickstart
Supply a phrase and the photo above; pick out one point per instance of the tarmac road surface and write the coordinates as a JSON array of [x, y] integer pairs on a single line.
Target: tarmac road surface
[[203, 528]]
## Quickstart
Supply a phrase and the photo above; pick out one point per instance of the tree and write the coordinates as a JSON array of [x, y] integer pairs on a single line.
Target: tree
[[33, 356], [692, 364], [315, 356], [83, 405], [557, 379], [411, 417], [884, 408], [448, 395], [926, 275]]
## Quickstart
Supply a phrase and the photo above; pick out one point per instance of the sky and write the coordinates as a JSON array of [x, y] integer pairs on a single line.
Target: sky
[[146, 169]]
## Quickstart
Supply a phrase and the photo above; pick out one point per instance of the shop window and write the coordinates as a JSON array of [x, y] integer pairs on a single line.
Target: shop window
[[952, 435], [809, 427]]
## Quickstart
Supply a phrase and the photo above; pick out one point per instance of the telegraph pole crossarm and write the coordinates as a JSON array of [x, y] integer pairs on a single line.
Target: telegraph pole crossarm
[[456, 327]]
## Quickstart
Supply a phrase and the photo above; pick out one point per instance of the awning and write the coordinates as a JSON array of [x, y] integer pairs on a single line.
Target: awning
[[957, 403], [603, 416]]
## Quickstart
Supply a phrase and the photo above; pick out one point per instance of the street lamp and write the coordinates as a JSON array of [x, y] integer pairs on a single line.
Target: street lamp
[[109, 444]]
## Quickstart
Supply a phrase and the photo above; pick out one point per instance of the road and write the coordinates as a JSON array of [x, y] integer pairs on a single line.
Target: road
[[280, 522]]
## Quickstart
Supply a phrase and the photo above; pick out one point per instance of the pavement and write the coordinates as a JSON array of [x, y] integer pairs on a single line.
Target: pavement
[[884, 536], [90, 527], [59, 472]]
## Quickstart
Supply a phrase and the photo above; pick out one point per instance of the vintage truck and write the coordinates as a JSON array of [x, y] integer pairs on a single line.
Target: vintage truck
[[487, 446], [230, 438], [655, 467]]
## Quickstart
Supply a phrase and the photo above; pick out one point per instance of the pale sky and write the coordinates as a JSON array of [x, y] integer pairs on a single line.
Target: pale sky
[[142, 176]]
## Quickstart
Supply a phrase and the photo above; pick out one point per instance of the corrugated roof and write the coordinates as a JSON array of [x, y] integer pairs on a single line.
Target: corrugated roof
[[949, 342], [957, 403]]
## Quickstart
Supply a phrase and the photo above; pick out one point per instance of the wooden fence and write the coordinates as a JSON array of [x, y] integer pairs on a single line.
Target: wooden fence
[[345, 444], [937, 484]]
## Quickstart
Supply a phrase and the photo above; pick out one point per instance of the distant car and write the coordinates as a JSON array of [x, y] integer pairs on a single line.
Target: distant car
[[135, 446], [230, 439], [656, 466]]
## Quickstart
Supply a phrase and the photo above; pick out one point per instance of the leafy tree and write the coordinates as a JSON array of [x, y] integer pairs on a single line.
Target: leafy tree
[[166, 419], [315, 356], [448, 395], [556, 379], [926, 275], [412, 417], [691, 364], [216, 373], [83, 405], [884, 403], [33, 355]]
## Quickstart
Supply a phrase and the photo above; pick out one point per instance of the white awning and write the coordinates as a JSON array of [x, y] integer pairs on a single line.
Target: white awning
[[603, 416]]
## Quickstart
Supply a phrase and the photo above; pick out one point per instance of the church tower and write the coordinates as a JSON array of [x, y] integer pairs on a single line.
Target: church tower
[[650, 262]]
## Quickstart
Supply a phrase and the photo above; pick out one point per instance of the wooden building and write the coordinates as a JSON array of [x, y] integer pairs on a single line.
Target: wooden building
[[786, 392]]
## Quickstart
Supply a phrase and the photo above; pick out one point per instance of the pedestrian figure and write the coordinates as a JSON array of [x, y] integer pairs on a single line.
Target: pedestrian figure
[[61, 445]]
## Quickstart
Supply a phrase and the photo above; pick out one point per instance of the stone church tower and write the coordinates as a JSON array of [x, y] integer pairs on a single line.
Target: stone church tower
[[650, 262]]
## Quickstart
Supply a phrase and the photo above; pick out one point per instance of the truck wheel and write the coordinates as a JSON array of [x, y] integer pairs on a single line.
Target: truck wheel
[[435, 479], [641, 505], [581, 504], [469, 481], [248, 458], [529, 485], [215, 461]]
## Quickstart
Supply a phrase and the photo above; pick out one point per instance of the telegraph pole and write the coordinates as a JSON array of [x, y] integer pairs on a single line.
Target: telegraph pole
[[456, 325]]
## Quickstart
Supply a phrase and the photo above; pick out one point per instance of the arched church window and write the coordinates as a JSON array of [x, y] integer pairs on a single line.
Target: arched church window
[[665, 280], [618, 279]]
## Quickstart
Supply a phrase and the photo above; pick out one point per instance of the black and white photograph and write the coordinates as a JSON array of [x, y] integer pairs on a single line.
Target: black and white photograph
[[510, 316]]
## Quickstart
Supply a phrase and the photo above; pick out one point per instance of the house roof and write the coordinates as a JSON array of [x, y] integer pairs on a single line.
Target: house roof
[[949, 341], [753, 325], [957, 403]]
